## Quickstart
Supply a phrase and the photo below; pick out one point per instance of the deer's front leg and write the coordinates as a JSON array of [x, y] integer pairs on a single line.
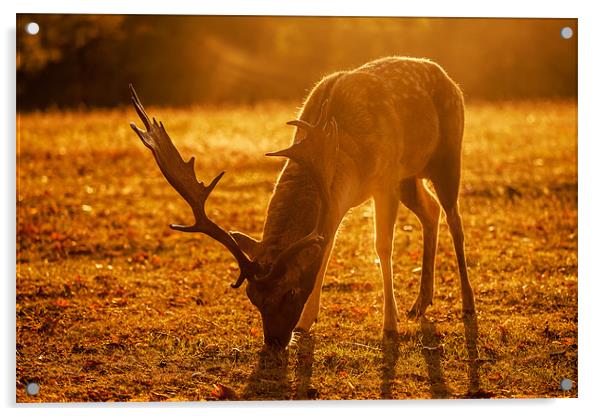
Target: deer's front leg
[[385, 211], [312, 306]]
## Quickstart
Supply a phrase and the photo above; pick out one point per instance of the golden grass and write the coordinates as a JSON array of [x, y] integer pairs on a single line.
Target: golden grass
[[112, 305]]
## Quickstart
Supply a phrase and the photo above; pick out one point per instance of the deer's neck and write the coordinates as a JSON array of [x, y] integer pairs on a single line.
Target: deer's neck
[[295, 205], [293, 209]]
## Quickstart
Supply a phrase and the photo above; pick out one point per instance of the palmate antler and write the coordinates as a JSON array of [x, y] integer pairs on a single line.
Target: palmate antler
[[182, 178]]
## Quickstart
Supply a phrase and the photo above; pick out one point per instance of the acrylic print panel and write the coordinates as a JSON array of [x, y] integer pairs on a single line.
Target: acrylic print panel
[[471, 291]]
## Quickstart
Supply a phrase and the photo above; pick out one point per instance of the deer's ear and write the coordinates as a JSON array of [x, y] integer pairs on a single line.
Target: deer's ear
[[248, 244], [311, 254]]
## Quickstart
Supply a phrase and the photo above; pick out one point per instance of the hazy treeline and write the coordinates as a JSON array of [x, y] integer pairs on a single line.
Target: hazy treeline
[[179, 60]]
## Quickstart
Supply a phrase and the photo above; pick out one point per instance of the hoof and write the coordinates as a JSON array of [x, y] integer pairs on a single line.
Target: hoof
[[390, 335], [414, 314], [298, 334], [417, 310], [423, 301], [467, 300], [390, 319], [390, 325]]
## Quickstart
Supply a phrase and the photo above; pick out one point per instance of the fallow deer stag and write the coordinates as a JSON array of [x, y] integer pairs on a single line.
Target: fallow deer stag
[[378, 132]]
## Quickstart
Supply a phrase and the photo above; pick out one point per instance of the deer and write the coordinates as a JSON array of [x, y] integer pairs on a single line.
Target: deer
[[380, 131]]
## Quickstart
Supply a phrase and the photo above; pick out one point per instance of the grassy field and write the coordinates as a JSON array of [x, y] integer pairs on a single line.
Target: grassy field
[[114, 306]]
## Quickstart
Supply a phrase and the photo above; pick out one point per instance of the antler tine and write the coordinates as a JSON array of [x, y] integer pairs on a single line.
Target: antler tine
[[182, 178], [139, 109], [314, 153], [300, 123], [306, 125]]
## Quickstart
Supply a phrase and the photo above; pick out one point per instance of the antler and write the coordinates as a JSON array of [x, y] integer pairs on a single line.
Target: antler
[[182, 178], [312, 127], [316, 153]]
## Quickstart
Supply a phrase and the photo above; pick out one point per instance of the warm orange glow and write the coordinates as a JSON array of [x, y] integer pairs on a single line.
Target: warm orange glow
[[79, 59], [113, 305]]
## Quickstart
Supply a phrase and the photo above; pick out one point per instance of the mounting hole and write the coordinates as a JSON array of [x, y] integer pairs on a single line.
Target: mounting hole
[[566, 32], [32, 28], [33, 389], [566, 384]]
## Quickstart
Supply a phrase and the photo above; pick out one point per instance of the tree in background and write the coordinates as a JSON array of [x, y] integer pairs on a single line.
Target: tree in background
[[181, 60]]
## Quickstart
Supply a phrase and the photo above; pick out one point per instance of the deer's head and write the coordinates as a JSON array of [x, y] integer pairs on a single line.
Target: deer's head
[[280, 279], [281, 294]]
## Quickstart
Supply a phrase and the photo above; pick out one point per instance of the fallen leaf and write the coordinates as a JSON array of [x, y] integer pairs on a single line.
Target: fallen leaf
[[119, 301], [62, 303], [222, 392], [569, 341], [91, 365], [495, 377], [57, 236]]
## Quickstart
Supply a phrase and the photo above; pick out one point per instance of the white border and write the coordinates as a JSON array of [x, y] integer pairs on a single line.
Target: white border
[[590, 110], [457, 8]]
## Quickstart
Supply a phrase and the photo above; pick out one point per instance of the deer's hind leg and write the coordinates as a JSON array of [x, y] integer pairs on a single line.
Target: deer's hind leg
[[446, 180], [385, 214], [444, 172], [421, 202]]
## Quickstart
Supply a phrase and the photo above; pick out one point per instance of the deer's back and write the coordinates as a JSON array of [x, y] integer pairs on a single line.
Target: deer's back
[[392, 114]]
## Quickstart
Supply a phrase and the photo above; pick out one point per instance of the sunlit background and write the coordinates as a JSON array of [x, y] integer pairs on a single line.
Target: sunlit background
[[179, 60]]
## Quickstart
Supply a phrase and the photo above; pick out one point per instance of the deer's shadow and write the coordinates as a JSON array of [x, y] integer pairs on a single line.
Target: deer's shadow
[[269, 380], [303, 367], [432, 352], [471, 335], [390, 347]]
